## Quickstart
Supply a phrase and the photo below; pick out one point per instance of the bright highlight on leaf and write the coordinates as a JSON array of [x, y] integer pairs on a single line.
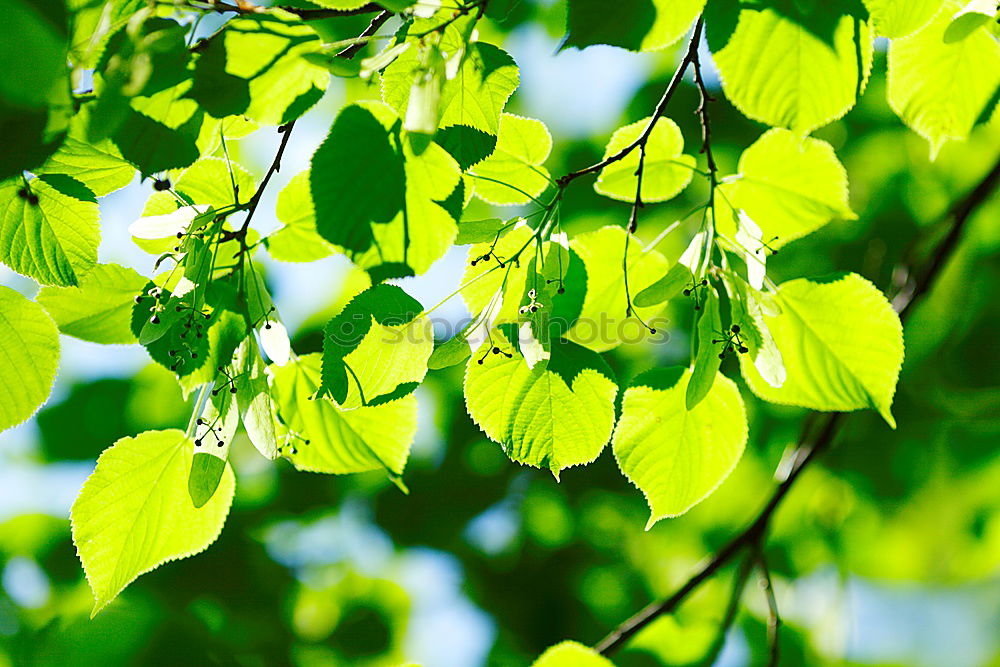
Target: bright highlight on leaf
[[677, 456], [555, 415], [514, 174], [100, 308], [134, 512], [571, 654], [322, 437], [794, 65], [899, 18], [790, 186], [842, 346], [49, 228], [29, 355], [940, 89], [666, 169]]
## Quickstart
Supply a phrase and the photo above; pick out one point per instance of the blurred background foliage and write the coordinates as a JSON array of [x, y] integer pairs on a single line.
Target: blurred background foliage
[[885, 553]]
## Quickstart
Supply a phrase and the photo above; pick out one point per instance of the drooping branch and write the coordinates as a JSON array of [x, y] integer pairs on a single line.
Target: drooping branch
[[689, 58], [810, 446]]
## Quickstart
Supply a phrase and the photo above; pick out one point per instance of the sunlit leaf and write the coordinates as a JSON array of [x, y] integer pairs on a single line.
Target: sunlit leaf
[[134, 512], [677, 456]]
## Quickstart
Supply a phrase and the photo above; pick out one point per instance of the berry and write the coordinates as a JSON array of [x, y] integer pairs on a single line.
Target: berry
[[161, 184], [735, 328], [154, 319], [744, 349]]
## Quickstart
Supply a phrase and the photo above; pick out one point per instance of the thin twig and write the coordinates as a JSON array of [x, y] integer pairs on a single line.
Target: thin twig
[[773, 617], [689, 57], [286, 131], [806, 453], [732, 608], [372, 28]]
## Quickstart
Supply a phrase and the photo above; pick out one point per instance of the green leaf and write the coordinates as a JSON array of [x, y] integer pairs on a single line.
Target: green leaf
[[466, 144], [253, 397], [357, 178], [571, 654], [450, 353], [673, 19], [603, 323], [153, 146], [424, 229], [747, 307], [255, 67], [474, 97], [213, 435], [297, 240], [795, 65], [555, 415], [35, 86], [842, 346], [972, 16], [708, 359], [98, 166], [789, 185], [210, 181], [666, 288], [513, 173], [899, 18], [486, 278], [666, 169], [588, 22], [478, 231], [134, 513], [340, 441], [54, 239], [938, 89], [676, 456], [29, 356], [100, 308], [378, 342]]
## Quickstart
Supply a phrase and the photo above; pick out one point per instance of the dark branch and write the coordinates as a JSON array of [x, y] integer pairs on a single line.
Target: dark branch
[[689, 57], [806, 453], [286, 130], [310, 14]]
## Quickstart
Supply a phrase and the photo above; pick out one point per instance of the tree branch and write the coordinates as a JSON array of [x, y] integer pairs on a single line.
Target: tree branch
[[806, 453], [689, 57], [286, 130]]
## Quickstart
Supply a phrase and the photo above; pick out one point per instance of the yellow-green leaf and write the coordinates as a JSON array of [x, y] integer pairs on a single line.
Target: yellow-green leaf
[[666, 168], [676, 456], [134, 512]]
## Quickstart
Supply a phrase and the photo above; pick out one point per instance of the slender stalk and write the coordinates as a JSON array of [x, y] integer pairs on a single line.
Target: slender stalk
[[689, 57]]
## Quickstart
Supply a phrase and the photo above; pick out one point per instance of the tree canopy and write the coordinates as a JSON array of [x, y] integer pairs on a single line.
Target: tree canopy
[[331, 303]]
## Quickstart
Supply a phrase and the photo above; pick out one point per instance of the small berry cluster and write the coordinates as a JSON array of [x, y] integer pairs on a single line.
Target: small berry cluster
[[486, 258], [533, 304], [765, 245], [28, 196], [216, 432], [494, 350], [731, 342], [562, 288], [693, 290], [230, 381], [289, 445]]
